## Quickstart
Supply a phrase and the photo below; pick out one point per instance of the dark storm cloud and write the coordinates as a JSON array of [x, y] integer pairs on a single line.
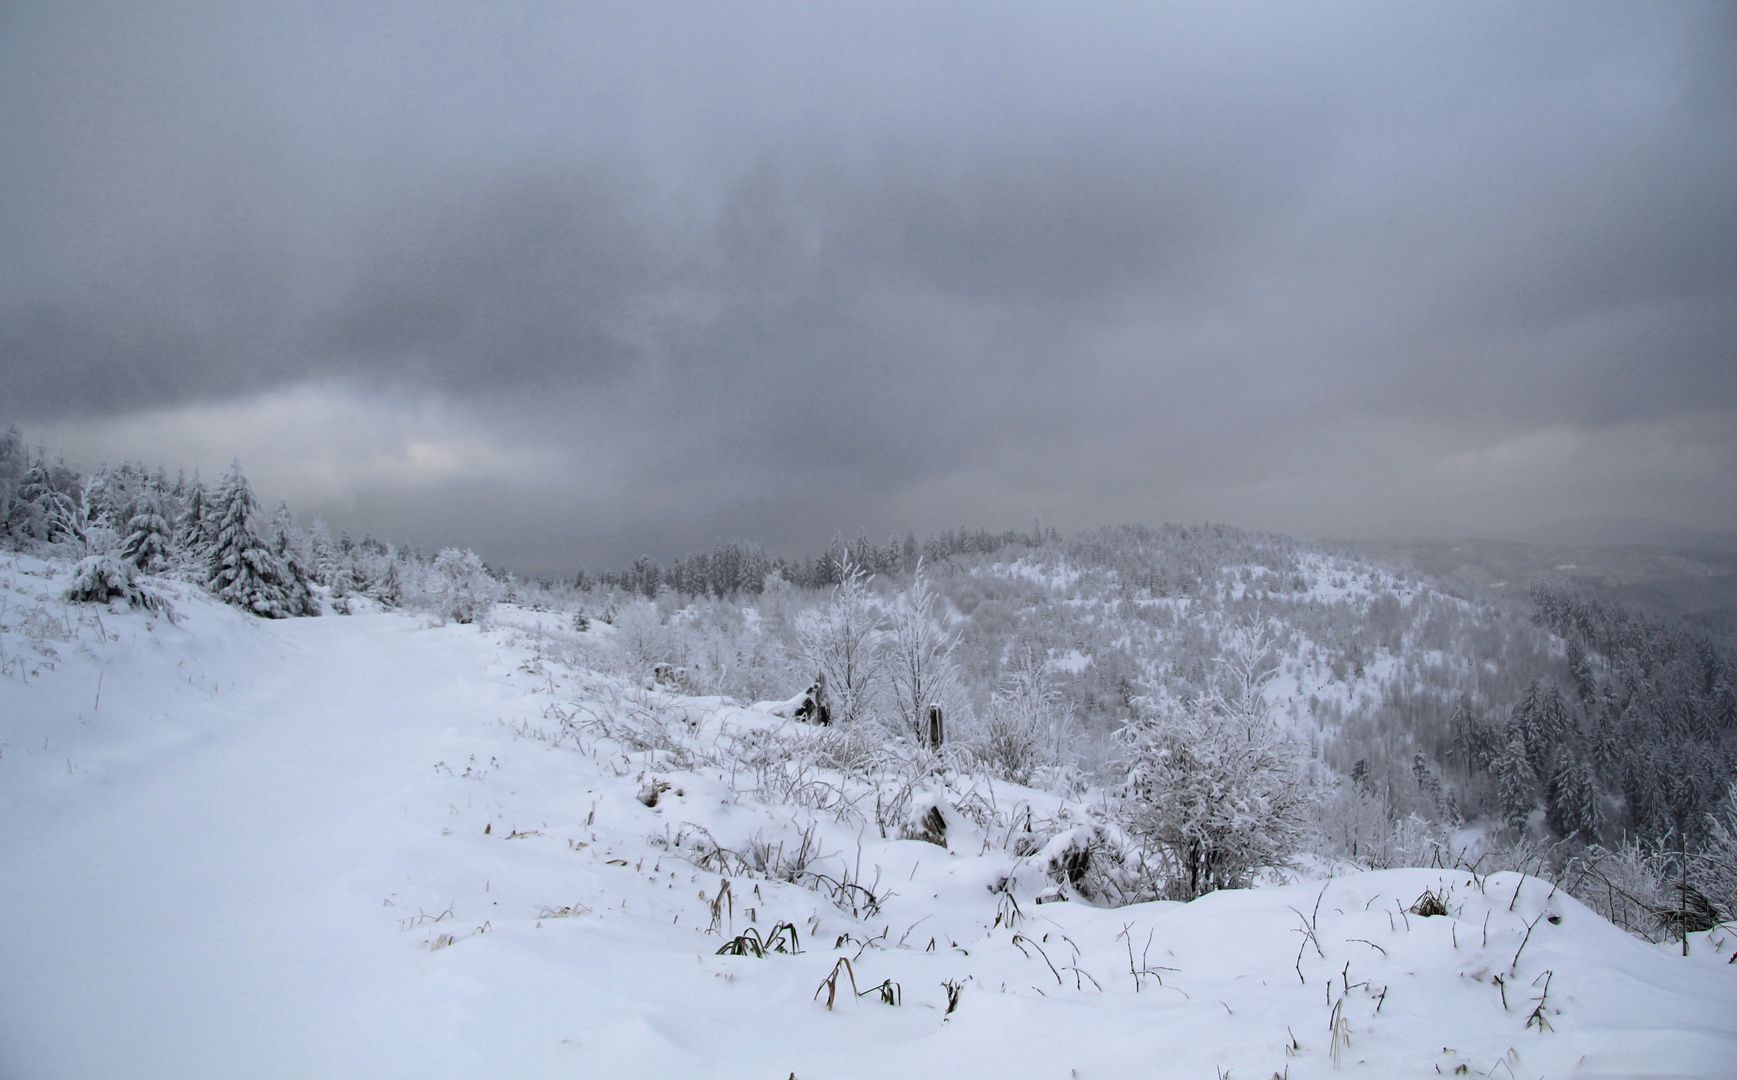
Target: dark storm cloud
[[808, 268], [530, 282]]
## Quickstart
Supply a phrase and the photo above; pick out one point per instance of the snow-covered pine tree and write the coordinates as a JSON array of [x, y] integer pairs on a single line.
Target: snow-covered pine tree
[[110, 492], [51, 494], [286, 544], [463, 590], [14, 460], [1516, 781], [1573, 799], [149, 539], [240, 568], [323, 554], [193, 527]]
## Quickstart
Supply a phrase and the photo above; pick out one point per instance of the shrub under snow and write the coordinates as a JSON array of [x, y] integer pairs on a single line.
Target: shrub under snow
[[1220, 794], [98, 579], [461, 588]]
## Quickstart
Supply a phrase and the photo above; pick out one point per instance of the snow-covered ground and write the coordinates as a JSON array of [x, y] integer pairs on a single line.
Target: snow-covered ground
[[372, 847]]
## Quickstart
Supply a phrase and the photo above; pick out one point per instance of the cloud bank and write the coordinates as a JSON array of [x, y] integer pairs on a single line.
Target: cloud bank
[[568, 284]]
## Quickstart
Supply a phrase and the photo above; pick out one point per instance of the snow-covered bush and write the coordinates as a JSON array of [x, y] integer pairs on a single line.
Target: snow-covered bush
[[1657, 890], [1353, 821], [919, 662], [462, 590], [99, 579], [1028, 727], [645, 637], [841, 639], [1090, 862], [1217, 793], [1716, 874]]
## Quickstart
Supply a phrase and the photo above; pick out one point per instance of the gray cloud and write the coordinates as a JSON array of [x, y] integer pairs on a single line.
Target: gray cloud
[[780, 270]]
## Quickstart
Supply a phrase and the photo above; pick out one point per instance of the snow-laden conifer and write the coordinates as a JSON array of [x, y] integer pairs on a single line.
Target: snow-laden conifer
[[324, 556], [240, 567], [14, 460], [286, 544], [149, 540], [110, 492], [53, 508], [1573, 799], [1516, 782], [193, 526], [100, 579]]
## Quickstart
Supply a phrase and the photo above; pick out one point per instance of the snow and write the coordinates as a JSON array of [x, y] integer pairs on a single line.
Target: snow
[[1073, 662], [243, 856]]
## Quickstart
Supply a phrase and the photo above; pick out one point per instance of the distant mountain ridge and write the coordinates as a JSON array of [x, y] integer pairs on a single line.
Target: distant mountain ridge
[[1694, 582]]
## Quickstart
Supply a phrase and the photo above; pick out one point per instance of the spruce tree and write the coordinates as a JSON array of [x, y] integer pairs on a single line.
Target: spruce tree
[[1516, 782], [286, 545], [240, 568], [192, 529], [149, 539], [1573, 797], [14, 460], [51, 507], [324, 554]]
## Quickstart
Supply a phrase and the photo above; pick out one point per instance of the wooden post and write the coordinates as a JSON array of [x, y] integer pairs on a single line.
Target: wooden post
[[937, 730]]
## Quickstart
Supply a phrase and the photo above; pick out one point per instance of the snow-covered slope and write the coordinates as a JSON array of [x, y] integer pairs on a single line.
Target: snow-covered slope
[[372, 847]]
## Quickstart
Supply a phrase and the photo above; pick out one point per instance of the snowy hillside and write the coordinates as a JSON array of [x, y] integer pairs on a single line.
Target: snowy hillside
[[372, 846]]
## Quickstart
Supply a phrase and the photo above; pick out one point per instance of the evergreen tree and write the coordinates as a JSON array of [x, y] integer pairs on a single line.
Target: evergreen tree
[[1580, 670], [323, 553], [286, 545], [1517, 783], [110, 493], [14, 462], [193, 527], [1427, 783], [240, 568], [149, 539], [1572, 798], [52, 510]]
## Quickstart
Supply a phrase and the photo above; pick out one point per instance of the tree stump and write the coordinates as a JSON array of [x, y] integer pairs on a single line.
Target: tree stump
[[814, 709]]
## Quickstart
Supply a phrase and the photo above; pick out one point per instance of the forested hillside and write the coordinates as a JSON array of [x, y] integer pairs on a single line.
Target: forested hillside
[[1415, 721]]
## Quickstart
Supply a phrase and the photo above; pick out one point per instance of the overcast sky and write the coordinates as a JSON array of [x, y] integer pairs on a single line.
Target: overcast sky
[[565, 283]]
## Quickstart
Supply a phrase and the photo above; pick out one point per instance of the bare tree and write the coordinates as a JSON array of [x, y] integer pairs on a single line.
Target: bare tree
[[1246, 665], [1029, 726], [919, 659], [841, 639]]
